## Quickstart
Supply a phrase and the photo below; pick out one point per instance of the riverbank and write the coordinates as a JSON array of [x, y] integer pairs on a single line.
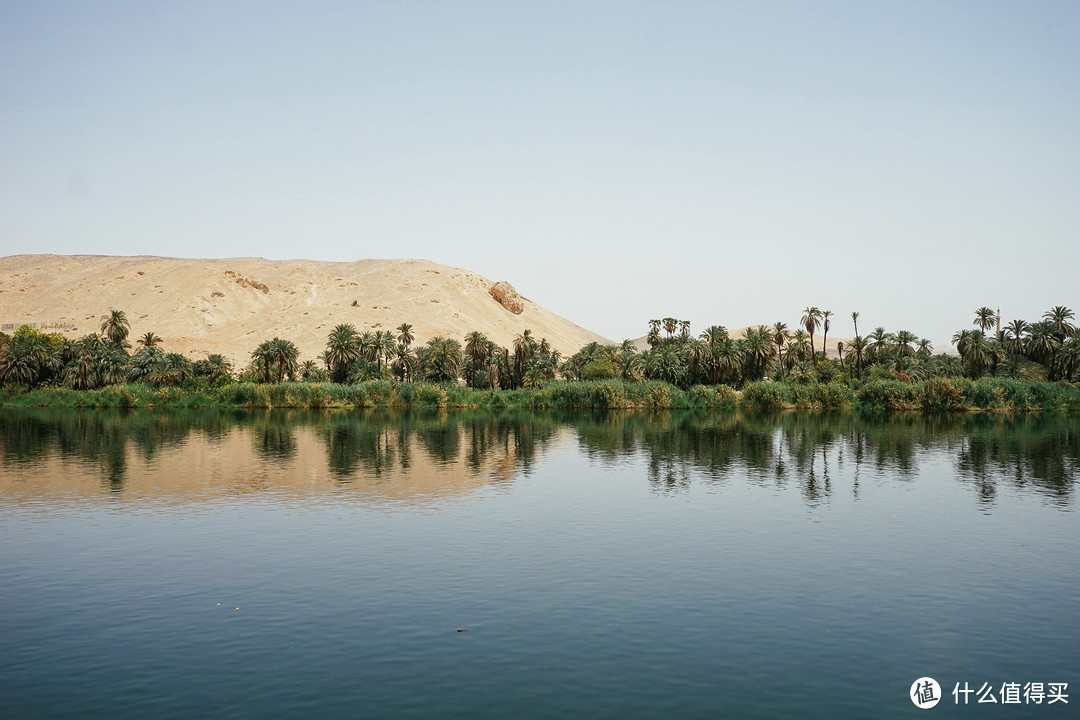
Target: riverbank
[[934, 395]]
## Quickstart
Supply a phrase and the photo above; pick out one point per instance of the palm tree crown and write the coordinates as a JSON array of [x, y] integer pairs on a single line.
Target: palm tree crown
[[811, 320], [115, 326], [985, 319]]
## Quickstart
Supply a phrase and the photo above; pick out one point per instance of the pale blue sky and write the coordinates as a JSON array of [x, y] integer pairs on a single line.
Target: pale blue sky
[[720, 162]]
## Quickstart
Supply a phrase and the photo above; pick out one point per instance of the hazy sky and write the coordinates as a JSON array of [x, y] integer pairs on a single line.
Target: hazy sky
[[721, 162]]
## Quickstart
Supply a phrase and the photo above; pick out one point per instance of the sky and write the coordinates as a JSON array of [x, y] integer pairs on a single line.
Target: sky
[[725, 163]]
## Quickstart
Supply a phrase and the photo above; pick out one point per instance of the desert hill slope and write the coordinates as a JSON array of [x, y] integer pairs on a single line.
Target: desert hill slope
[[229, 306]]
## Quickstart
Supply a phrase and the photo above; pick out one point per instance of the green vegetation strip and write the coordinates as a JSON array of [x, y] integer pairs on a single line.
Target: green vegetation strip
[[934, 395]]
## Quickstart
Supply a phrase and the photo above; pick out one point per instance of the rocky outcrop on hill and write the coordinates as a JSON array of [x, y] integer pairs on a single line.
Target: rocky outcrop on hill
[[507, 296]]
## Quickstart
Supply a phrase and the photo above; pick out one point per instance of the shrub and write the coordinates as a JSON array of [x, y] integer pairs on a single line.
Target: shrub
[[981, 394], [655, 395], [941, 394], [1049, 396], [763, 396], [380, 392], [711, 396], [599, 370], [835, 395], [887, 395], [428, 395], [1016, 395]]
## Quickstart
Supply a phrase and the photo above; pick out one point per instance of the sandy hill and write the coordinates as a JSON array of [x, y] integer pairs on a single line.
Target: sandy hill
[[230, 306]]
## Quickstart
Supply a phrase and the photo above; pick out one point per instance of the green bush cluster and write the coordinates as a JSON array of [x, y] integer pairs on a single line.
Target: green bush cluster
[[942, 394], [887, 395], [764, 396]]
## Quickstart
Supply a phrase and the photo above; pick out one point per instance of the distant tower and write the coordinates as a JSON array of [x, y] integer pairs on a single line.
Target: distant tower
[[999, 321]]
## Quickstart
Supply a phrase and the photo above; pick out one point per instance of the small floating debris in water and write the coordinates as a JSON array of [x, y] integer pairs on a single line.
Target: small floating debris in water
[[459, 629], [237, 609]]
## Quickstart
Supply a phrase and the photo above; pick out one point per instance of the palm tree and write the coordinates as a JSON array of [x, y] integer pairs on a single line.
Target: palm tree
[[170, 369], [1015, 334], [403, 363], [1059, 316], [628, 360], [476, 346], [825, 315], [757, 352], [960, 339], [342, 349], [879, 341], [477, 354], [524, 349], [214, 367], [713, 335], [653, 338], [670, 325], [113, 365], [1068, 359], [684, 329], [442, 359], [696, 353], [277, 354], [149, 340], [996, 353], [365, 341], [144, 361], [285, 357], [798, 347], [725, 361], [81, 372], [1042, 344], [405, 334], [855, 321], [115, 326], [985, 319], [925, 349], [780, 337], [811, 319], [976, 353], [382, 347], [905, 343], [857, 352], [25, 359], [665, 363]]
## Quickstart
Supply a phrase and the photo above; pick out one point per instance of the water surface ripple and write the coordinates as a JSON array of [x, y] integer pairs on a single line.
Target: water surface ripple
[[677, 565]]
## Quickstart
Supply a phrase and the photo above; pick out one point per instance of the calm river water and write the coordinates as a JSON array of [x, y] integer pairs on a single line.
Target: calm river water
[[678, 565]]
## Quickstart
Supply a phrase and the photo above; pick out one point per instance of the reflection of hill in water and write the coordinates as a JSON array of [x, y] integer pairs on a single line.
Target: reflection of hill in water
[[382, 459], [426, 458]]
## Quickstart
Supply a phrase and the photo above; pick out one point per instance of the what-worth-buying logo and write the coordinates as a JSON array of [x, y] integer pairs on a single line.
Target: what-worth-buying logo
[[926, 693]]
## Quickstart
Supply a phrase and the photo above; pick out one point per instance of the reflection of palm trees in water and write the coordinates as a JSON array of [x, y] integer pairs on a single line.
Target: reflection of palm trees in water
[[459, 451], [486, 445], [274, 441]]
